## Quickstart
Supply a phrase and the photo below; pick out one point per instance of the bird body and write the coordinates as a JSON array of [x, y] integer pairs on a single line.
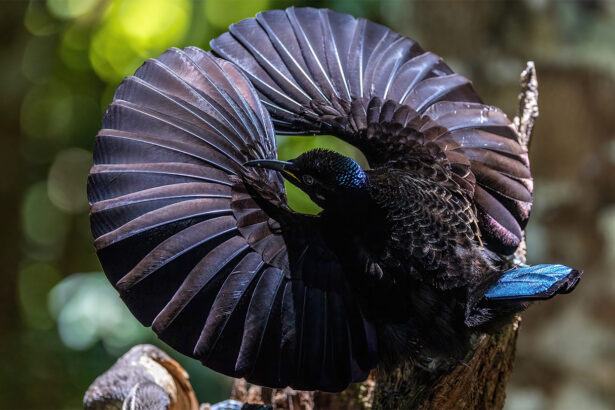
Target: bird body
[[407, 260], [408, 244]]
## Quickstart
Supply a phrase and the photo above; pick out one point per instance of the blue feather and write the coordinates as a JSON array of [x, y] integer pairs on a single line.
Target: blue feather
[[534, 282], [349, 174]]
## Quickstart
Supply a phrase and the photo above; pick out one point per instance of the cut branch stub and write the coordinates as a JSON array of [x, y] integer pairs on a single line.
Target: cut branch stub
[[144, 377], [528, 105]]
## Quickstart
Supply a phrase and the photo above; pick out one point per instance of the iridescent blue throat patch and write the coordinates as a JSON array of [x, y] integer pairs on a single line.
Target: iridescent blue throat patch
[[348, 173]]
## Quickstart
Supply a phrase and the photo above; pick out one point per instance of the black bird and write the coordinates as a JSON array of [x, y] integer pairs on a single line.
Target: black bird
[[406, 261]]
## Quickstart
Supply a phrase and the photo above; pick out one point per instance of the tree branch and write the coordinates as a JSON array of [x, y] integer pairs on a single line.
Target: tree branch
[[528, 105]]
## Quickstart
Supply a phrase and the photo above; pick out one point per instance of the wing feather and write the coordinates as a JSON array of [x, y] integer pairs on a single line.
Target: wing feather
[[176, 245], [110, 214], [113, 180], [258, 318], [205, 271], [198, 245], [320, 71], [308, 28], [227, 301]]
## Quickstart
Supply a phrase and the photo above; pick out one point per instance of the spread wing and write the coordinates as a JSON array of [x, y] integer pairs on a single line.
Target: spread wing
[[205, 250], [319, 71]]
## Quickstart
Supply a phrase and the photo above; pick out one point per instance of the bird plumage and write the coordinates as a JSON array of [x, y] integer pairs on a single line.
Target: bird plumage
[[319, 71], [195, 232]]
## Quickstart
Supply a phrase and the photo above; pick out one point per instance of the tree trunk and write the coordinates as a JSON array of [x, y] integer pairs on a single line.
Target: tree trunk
[[478, 384]]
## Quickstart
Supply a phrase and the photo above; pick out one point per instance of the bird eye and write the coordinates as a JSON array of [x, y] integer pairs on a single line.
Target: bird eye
[[308, 180]]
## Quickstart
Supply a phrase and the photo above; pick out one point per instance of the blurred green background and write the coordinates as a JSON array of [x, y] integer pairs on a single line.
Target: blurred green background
[[62, 324]]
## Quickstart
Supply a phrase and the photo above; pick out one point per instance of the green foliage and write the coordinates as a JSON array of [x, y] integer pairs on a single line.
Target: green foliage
[[222, 14]]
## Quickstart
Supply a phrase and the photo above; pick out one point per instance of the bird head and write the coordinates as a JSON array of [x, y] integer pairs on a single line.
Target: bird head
[[326, 176]]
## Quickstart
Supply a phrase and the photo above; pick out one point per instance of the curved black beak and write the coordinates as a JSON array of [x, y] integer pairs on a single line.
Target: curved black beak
[[270, 164], [287, 168]]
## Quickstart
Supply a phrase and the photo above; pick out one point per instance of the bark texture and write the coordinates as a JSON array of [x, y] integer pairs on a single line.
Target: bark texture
[[478, 384]]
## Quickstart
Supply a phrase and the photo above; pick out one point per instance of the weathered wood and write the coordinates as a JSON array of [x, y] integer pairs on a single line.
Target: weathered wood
[[528, 105], [143, 378]]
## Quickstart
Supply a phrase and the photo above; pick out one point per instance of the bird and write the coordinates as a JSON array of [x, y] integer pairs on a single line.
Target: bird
[[409, 258]]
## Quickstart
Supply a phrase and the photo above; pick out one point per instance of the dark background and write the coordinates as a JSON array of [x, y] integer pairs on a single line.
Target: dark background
[[62, 324]]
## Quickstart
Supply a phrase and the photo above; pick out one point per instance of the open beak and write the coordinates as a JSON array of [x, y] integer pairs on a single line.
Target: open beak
[[285, 167]]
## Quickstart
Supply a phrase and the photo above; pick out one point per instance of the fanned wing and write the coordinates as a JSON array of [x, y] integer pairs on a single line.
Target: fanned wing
[[534, 282], [205, 250], [319, 71]]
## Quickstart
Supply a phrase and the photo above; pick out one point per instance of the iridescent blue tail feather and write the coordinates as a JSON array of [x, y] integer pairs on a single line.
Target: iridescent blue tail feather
[[534, 282]]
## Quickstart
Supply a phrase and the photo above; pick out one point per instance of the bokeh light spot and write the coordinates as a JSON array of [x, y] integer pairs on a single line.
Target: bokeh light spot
[[67, 180], [66, 9], [133, 30], [76, 304], [38, 21], [153, 23], [43, 224], [222, 14], [37, 49], [74, 48], [112, 55], [34, 283], [46, 112]]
